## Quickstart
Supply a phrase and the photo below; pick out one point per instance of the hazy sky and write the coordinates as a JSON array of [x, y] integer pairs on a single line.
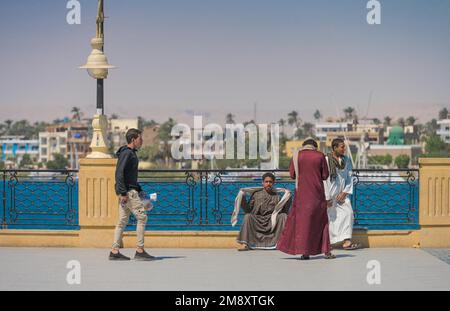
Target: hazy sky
[[179, 57]]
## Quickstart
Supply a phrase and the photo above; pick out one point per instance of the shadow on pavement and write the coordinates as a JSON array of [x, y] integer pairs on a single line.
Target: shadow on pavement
[[321, 257]]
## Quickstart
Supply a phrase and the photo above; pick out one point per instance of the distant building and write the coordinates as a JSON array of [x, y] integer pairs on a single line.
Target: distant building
[[323, 129], [367, 126], [355, 137], [444, 129], [118, 130], [13, 148], [70, 139], [51, 143], [294, 145]]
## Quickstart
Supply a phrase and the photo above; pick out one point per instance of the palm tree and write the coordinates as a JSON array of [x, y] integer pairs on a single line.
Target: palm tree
[[411, 120], [308, 128], [164, 135], [293, 119], [401, 122], [282, 123], [387, 121], [317, 115], [76, 114], [229, 118], [349, 113], [8, 124], [376, 121]]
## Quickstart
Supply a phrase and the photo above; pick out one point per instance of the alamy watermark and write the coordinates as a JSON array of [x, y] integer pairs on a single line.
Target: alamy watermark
[[212, 141], [374, 14], [73, 277], [374, 275], [73, 16]]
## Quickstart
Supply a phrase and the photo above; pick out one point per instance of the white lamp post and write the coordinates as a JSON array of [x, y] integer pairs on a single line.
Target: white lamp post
[[97, 66]]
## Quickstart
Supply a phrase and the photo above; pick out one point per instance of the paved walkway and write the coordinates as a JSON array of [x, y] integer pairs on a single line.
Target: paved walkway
[[223, 269]]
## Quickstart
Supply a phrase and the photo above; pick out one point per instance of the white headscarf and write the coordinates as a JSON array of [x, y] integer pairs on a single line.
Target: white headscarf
[[278, 207]]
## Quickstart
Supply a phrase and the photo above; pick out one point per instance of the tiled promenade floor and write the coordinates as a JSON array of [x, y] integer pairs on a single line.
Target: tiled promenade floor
[[223, 269]]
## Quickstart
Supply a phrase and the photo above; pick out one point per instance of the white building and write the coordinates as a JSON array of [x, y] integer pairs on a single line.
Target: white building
[[13, 148], [51, 143], [368, 126], [322, 129], [444, 130]]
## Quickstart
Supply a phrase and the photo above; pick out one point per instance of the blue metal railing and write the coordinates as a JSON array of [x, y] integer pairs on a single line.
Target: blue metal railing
[[198, 199], [39, 199]]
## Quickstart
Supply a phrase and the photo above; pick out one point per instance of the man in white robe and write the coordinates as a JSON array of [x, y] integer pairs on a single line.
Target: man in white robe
[[338, 188]]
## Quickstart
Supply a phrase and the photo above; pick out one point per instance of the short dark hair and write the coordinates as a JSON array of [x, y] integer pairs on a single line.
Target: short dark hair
[[310, 142], [335, 143], [268, 175], [132, 134]]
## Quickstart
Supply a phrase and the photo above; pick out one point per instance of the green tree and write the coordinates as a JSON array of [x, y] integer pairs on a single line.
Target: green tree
[[381, 159], [434, 145], [429, 129], [76, 114], [282, 123], [293, 119], [402, 161], [26, 161], [164, 136], [299, 133], [60, 162], [387, 121], [317, 115], [151, 153], [143, 123], [443, 114], [39, 127], [401, 122], [229, 119], [349, 113], [411, 120], [308, 129], [22, 128], [2, 165], [8, 124]]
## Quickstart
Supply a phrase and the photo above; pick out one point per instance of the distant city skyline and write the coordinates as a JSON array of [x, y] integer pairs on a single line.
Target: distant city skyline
[[180, 58]]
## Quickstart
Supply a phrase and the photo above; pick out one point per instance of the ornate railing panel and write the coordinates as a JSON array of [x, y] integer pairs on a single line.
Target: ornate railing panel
[[386, 199], [34, 199]]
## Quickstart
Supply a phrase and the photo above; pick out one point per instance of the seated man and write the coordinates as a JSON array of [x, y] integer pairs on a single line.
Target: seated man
[[265, 215]]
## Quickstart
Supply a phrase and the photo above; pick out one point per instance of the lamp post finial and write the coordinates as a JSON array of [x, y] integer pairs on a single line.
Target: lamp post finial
[[100, 19]]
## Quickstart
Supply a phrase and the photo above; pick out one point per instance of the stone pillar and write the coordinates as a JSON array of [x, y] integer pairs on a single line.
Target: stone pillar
[[434, 202], [98, 203]]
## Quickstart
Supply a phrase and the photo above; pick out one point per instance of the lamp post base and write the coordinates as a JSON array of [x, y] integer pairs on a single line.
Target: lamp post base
[[99, 144], [98, 155]]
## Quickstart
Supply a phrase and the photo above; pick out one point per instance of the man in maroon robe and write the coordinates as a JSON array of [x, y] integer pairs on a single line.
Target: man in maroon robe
[[306, 229]]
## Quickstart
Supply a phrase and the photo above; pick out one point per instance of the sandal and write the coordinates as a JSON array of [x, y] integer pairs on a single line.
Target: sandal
[[243, 249], [330, 256], [352, 246]]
